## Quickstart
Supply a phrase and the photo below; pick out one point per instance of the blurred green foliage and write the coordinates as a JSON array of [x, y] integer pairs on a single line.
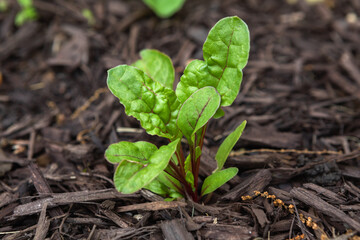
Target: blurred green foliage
[[27, 13], [164, 8], [87, 13]]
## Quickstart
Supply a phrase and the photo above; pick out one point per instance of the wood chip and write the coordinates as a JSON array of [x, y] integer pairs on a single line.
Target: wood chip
[[124, 233], [43, 225], [331, 196], [316, 202], [347, 62], [175, 230], [227, 232], [260, 216], [270, 137], [151, 206], [247, 187], [57, 199]]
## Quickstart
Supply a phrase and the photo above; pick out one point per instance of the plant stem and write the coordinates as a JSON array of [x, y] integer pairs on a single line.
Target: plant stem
[[181, 191], [197, 161], [181, 178], [180, 157]]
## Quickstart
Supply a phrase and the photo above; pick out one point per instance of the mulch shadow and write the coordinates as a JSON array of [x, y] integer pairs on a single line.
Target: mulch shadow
[[298, 159]]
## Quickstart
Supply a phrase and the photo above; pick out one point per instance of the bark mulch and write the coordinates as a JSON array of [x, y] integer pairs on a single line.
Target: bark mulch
[[299, 157]]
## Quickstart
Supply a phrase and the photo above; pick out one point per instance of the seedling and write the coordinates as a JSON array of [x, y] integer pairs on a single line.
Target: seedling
[[146, 91], [164, 8]]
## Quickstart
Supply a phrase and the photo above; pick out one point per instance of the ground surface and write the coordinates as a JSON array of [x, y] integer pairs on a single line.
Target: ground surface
[[301, 91]]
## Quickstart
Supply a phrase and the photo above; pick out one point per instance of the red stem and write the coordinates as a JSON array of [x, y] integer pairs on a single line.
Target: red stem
[[197, 167], [181, 160], [181, 178], [179, 171], [181, 191]]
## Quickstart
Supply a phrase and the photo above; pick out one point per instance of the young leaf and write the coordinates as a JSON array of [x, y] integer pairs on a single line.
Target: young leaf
[[226, 52], [164, 8], [158, 66], [217, 179], [155, 106], [219, 113], [190, 179], [197, 111], [197, 152], [124, 171], [132, 176], [173, 196], [228, 144], [187, 165], [138, 151]]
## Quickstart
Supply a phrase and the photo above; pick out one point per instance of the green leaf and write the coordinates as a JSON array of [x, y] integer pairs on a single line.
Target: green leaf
[[124, 171], [157, 187], [219, 113], [187, 164], [89, 16], [228, 144], [173, 196], [138, 152], [3, 6], [25, 3], [197, 152], [158, 66], [132, 176], [217, 179], [195, 77], [27, 14], [197, 110], [226, 52], [190, 179], [155, 106], [168, 181], [164, 8]]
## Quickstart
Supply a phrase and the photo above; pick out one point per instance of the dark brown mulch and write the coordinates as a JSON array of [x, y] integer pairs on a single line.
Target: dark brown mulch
[[300, 96]]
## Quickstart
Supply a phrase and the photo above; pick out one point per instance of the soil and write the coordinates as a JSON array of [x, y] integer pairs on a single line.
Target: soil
[[300, 95]]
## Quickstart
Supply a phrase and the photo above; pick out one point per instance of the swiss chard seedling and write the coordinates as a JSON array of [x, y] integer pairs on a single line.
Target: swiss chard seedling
[[146, 91]]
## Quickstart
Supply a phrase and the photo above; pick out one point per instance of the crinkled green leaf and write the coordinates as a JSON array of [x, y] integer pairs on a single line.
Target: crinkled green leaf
[[155, 106], [195, 76], [132, 176], [158, 66], [226, 51], [138, 151], [217, 179], [164, 8], [228, 144], [197, 111]]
